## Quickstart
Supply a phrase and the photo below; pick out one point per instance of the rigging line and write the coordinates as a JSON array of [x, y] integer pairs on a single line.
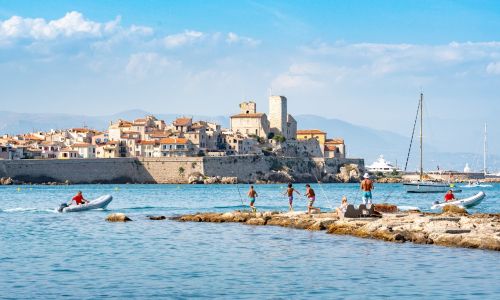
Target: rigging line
[[323, 191], [412, 135], [238, 188]]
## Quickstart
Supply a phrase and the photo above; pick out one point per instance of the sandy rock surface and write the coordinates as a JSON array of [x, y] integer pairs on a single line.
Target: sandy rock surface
[[452, 228]]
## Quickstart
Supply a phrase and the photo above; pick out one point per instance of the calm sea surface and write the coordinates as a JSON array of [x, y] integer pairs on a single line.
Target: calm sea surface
[[47, 255]]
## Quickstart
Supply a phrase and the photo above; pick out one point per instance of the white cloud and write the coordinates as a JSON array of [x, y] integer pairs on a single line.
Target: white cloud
[[73, 23], [493, 68], [233, 38], [181, 39], [141, 65]]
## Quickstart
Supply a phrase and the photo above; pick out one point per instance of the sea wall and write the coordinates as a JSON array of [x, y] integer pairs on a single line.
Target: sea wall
[[247, 168], [120, 170]]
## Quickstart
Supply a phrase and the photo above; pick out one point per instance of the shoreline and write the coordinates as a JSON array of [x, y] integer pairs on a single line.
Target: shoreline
[[451, 229]]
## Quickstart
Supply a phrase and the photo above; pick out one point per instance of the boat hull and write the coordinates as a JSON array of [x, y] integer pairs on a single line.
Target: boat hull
[[466, 202], [99, 203], [426, 187]]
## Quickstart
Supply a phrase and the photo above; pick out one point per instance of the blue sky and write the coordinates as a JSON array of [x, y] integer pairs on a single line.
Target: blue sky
[[360, 61]]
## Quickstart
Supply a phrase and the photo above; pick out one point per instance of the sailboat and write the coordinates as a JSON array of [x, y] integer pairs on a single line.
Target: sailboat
[[485, 170], [422, 186]]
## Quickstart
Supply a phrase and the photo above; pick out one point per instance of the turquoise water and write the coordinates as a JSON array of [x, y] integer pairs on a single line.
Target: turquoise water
[[47, 255]]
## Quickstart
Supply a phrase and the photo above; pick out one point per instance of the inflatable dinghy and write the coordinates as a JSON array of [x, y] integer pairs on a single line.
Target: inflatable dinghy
[[466, 202], [101, 202]]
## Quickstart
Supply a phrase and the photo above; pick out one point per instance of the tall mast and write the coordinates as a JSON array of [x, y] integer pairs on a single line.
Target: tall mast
[[485, 148], [421, 136]]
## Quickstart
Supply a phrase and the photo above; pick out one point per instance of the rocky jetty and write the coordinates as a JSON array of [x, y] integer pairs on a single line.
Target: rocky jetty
[[451, 228]]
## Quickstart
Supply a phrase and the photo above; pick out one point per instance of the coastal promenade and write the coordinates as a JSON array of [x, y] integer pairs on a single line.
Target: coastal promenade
[[455, 229]]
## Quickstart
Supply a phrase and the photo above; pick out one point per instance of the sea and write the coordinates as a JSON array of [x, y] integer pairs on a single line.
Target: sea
[[49, 255]]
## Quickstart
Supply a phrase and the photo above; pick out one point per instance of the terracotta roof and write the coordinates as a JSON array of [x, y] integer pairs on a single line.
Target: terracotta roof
[[335, 141], [33, 138], [80, 130], [149, 142], [257, 115], [183, 121], [173, 141], [330, 148], [81, 145], [67, 150], [310, 131]]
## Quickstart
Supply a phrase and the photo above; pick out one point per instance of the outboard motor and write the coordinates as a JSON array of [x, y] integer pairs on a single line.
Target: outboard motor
[[61, 207]]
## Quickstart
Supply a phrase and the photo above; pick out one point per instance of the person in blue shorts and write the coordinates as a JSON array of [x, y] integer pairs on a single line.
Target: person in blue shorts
[[252, 194], [289, 192], [367, 187]]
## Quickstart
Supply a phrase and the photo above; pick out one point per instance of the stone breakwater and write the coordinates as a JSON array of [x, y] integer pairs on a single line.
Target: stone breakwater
[[480, 231]]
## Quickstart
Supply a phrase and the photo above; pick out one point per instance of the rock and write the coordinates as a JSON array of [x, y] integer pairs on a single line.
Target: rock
[[117, 217], [155, 218], [385, 208], [6, 181], [278, 177], [210, 180], [454, 210], [229, 180], [469, 231], [257, 221]]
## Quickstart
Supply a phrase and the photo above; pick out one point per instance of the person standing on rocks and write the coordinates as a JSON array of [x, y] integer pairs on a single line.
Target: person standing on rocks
[[252, 194], [311, 196], [367, 187], [289, 192]]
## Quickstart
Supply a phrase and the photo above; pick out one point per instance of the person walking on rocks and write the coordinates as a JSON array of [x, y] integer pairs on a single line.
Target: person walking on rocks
[[311, 196], [289, 192], [367, 187], [252, 194]]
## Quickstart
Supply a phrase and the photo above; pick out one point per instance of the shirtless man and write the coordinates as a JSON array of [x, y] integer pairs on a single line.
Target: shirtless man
[[289, 192], [251, 195], [367, 187], [311, 196]]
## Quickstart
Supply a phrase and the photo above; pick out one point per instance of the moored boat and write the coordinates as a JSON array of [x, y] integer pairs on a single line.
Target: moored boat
[[427, 187], [466, 202], [99, 203]]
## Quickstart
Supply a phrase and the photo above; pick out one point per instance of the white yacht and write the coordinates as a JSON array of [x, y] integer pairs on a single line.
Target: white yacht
[[381, 165]]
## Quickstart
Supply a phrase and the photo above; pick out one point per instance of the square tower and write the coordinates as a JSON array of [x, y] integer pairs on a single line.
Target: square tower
[[248, 107], [278, 115]]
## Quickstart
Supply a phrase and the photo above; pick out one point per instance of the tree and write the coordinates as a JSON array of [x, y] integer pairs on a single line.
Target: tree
[[270, 135], [279, 138]]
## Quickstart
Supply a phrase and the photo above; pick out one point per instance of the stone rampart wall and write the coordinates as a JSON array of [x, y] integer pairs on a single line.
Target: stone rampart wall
[[247, 168]]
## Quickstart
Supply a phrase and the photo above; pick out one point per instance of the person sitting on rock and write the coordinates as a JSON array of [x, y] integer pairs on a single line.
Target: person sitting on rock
[[252, 194], [78, 199], [343, 207], [289, 192], [449, 196], [311, 196]]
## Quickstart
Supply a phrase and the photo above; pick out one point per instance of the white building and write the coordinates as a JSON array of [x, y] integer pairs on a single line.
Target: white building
[[249, 121]]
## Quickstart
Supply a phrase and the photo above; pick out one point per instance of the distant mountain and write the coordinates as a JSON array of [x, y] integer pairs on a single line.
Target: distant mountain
[[361, 141]]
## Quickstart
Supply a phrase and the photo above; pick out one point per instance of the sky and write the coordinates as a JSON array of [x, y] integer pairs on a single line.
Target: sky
[[364, 62]]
